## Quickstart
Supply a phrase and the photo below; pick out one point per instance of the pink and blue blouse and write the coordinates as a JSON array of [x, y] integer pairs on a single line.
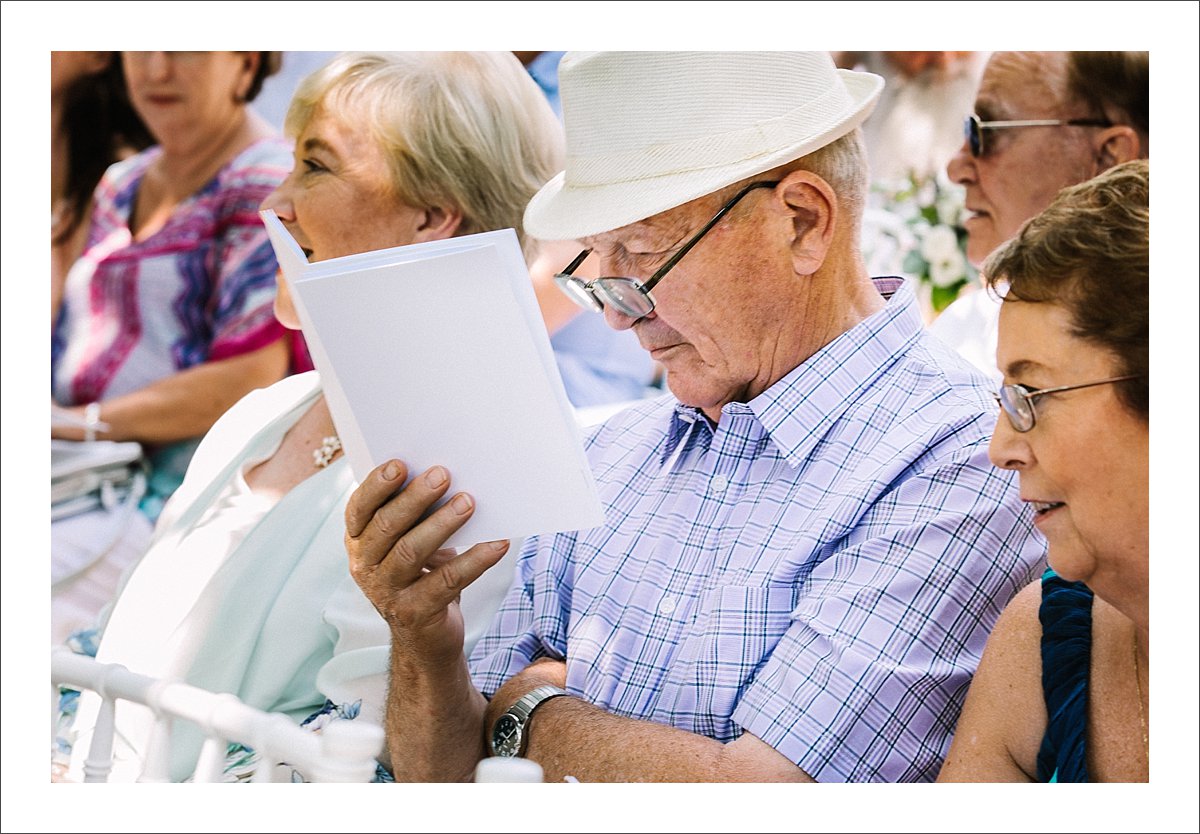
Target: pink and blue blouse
[[201, 288]]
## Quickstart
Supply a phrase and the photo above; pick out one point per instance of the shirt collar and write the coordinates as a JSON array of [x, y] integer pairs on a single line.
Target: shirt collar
[[798, 409]]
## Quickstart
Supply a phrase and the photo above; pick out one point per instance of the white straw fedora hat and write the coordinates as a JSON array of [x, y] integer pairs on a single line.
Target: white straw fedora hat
[[648, 131]]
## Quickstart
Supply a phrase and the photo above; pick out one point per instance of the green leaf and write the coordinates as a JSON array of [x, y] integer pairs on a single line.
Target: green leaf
[[942, 297], [914, 264]]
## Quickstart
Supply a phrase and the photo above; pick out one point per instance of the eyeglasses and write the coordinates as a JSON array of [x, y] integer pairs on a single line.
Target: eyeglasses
[[1017, 400], [629, 295], [973, 128]]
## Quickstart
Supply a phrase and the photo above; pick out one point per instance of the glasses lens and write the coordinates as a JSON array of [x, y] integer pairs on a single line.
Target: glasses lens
[[626, 295], [578, 292], [974, 134], [1017, 406]]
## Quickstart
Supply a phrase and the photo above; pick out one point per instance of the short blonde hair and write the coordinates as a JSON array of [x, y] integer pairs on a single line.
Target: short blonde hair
[[469, 130]]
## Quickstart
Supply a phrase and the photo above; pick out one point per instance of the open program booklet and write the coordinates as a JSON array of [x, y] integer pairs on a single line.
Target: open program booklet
[[436, 353]]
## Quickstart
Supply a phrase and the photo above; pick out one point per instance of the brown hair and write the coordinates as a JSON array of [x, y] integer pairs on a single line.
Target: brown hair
[[1090, 252], [102, 127], [1115, 85], [268, 64]]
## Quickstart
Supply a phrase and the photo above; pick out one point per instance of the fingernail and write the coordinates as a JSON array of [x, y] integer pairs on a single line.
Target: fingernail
[[461, 504], [392, 471], [498, 545], [436, 477]]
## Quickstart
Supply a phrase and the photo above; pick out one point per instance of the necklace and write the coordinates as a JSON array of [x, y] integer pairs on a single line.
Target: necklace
[[1137, 678], [323, 455]]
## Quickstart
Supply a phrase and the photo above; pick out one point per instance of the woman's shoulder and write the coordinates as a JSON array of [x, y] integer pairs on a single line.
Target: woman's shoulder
[[264, 404], [1019, 625], [267, 158], [229, 436], [119, 183], [236, 192]]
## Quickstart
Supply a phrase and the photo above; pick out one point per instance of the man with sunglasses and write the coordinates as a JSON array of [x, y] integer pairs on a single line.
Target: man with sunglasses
[[804, 547], [1043, 121]]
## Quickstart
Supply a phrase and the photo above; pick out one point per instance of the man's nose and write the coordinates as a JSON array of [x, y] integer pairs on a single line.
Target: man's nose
[[617, 320], [961, 167]]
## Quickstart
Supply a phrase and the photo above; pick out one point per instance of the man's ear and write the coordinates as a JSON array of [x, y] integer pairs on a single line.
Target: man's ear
[[1114, 145], [438, 223], [814, 210]]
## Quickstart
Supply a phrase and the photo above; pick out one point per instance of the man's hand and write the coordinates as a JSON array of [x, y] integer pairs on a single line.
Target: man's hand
[[395, 545]]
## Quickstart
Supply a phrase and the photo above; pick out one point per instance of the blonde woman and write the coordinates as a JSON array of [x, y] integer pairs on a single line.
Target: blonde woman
[[246, 589]]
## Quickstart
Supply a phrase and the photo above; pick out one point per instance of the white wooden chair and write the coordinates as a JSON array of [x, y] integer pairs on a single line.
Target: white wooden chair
[[344, 751]]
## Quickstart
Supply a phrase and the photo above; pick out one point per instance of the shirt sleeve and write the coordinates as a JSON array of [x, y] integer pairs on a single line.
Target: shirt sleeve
[[531, 621], [869, 678], [357, 670]]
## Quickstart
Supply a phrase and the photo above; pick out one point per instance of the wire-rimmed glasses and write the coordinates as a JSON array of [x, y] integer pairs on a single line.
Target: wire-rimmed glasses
[[629, 295], [1017, 400]]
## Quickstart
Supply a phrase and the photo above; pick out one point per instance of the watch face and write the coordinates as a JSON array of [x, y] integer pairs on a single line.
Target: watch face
[[506, 736]]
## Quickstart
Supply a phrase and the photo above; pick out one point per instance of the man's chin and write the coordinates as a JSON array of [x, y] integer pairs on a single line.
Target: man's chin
[[695, 396]]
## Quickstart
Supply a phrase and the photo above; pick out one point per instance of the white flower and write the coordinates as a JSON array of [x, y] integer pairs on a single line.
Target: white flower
[[927, 193], [949, 269], [939, 243], [950, 206]]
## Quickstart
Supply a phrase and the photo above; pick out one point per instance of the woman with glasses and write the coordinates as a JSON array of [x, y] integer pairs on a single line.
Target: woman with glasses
[[1062, 692]]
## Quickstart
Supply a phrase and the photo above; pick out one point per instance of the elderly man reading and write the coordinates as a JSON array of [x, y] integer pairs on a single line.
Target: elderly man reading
[[804, 547]]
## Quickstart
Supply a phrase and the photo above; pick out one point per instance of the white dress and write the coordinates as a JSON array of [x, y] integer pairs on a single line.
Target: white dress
[[241, 594], [969, 326]]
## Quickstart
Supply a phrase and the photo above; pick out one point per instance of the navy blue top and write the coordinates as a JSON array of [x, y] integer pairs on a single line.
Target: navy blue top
[[1066, 616]]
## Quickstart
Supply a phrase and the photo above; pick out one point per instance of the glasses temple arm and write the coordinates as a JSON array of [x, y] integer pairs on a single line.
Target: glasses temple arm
[[574, 265], [1060, 388], [687, 247]]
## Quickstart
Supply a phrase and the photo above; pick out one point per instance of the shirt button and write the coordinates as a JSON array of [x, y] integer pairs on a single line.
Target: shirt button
[[667, 605], [718, 483]]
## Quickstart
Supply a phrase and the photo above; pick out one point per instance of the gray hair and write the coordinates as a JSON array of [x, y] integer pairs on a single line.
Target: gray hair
[[842, 163]]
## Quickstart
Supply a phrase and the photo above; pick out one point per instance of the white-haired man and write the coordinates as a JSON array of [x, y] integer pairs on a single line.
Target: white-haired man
[[804, 547], [1043, 121]]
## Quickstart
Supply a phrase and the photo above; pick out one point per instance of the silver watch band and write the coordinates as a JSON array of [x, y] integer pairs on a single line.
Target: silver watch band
[[531, 700], [521, 712]]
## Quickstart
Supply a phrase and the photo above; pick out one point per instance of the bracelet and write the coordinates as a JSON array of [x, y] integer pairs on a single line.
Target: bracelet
[[91, 421]]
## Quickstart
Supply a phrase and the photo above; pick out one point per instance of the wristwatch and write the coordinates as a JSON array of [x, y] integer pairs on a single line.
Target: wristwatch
[[509, 733]]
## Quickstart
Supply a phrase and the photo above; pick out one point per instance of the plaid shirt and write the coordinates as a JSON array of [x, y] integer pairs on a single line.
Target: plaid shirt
[[820, 569]]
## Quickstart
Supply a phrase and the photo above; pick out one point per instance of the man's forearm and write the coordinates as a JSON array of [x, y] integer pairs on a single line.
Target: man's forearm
[[434, 722], [570, 737]]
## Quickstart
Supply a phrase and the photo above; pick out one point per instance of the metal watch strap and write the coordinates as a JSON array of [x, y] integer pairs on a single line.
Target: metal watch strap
[[524, 707]]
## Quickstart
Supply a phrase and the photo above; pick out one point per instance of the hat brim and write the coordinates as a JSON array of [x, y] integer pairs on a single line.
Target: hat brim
[[567, 212]]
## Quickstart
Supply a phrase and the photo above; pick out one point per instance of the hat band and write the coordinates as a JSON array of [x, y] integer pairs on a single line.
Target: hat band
[[708, 152]]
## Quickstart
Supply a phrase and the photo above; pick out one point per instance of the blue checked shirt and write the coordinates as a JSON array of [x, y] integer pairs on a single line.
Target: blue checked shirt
[[820, 569]]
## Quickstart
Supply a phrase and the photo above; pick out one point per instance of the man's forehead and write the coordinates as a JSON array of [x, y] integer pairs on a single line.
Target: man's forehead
[[1018, 79]]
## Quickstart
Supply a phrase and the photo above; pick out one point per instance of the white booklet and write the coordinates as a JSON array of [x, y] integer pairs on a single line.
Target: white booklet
[[436, 353]]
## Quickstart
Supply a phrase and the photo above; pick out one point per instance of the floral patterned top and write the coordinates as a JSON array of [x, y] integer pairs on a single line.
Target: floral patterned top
[[200, 288]]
